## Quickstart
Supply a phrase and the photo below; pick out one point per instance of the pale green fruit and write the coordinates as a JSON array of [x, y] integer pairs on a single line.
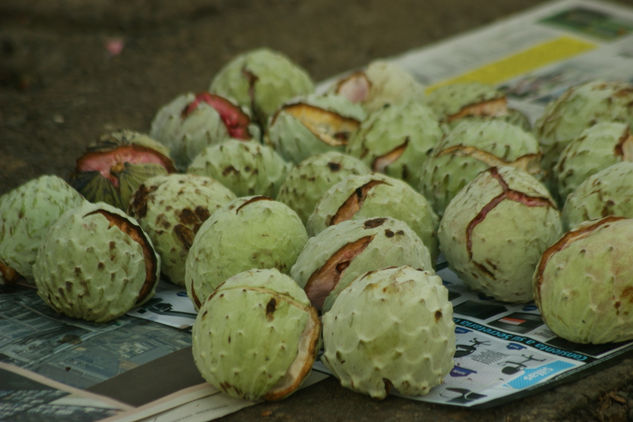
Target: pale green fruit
[[26, 213], [262, 79], [307, 181], [171, 209], [578, 108], [376, 195], [597, 147], [249, 232], [381, 82], [96, 264], [396, 139], [583, 283], [189, 123], [605, 193], [390, 329], [256, 336], [246, 168], [471, 147], [494, 232], [314, 124], [334, 257], [473, 100]]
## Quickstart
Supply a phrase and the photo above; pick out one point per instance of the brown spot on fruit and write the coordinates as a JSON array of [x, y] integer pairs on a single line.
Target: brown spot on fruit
[[185, 235], [329, 127], [271, 306], [325, 279], [375, 222], [187, 217], [624, 147], [381, 163], [334, 167], [438, 315], [228, 170], [354, 202]]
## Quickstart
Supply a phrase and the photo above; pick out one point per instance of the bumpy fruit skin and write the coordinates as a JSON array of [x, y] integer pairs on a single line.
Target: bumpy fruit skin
[[96, 264], [256, 336], [471, 147], [605, 193], [391, 328], [313, 125], [376, 195], [382, 82], [596, 148], [578, 108], [246, 168], [306, 182], [262, 79], [250, 232], [396, 139], [494, 232], [334, 257], [473, 100], [583, 284], [171, 209], [111, 169], [26, 213], [188, 124]]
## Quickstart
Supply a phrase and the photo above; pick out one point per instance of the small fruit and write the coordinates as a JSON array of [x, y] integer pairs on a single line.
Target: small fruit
[[306, 182], [376, 195], [96, 263], [390, 329], [334, 257], [249, 232], [583, 285], [26, 213], [246, 168], [112, 169], [494, 231], [396, 139], [256, 336], [171, 209], [189, 123], [262, 80]]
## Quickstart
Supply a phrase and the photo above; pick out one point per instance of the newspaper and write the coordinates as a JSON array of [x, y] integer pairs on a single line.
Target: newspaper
[[503, 351]]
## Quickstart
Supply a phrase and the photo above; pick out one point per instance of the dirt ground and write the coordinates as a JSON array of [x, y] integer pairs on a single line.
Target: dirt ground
[[63, 82]]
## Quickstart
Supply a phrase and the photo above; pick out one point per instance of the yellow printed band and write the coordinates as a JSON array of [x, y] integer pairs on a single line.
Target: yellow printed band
[[537, 56]]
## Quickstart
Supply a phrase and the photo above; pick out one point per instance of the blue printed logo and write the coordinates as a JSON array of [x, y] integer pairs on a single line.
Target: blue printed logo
[[535, 375]]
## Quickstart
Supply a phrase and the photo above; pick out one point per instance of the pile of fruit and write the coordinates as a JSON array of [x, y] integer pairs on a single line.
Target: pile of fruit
[[301, 222]]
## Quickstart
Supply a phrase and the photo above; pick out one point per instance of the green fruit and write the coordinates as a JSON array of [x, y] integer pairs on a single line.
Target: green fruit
[[189, 123], [26, 213], [471, 147], [112, 169], [580, 107], [494, 231], [256, 336], [390, 329], [583, 283], [597, 147], [246, 168], [396, 139], [605, 193], [307, 181], [262, 79], [334, 257], [376, 195], [249, 232], [381, 83], [171, 209], [312, 125], [96, 264]]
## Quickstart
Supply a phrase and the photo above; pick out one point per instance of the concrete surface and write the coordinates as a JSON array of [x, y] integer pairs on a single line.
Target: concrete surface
[[60, 88]]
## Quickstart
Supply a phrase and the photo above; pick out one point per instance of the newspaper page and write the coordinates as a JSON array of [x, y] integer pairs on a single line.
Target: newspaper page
[[27, 396]]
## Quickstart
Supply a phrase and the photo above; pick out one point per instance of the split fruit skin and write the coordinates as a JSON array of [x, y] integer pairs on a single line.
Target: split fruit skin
[[390, 330], [583, 285], [256, 336], [26, 213], [96, 264], [495, 230]]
